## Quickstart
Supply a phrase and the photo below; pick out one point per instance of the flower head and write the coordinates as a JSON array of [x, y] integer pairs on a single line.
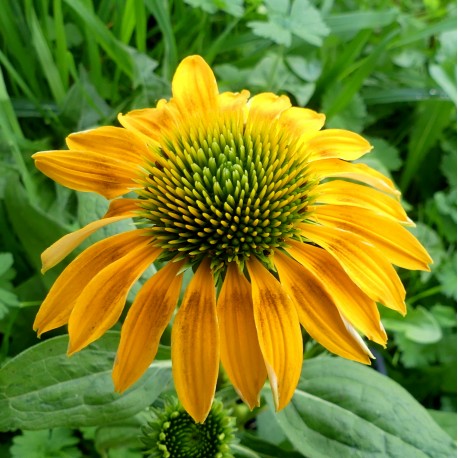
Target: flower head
[[279, 228], [173, 433]]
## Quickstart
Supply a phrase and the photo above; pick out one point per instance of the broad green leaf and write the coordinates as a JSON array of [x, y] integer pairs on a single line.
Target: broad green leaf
[[446, 420], [43, 388], [120, 434], [343, 409]]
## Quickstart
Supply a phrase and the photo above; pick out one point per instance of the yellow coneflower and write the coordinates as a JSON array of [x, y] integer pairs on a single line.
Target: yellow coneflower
[[278, 227]]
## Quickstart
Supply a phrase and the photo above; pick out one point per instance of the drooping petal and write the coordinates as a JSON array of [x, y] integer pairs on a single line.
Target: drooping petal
[[194, 86], [352, 303], [240, 353], [66, 244], [317, 311], [301, 120], [364, 264], [336, 143], [340, 192], [279, 332], [114, 142], [145, 322], [336, 168], [100, 304], [56, 308], [195, 345], [394, 241], [88, 171], [148, 124]]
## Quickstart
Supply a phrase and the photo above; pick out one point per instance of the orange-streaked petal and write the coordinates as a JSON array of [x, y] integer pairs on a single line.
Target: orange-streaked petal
[[352, 303], [364, 263], [115, 142], [195, 345], [100, 304], [148, 124], [194, 86], [88, 171], [120, 207], [145, 322], [394, 241], [66, 244], [317, 311], [300, 120], [340, 192], [336, 143], [279, 332], [240, 352], [56, 308], [336, 168]]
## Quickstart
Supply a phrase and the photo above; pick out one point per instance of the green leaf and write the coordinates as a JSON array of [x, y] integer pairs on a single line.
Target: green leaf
[[356, 21], [56, 443], [418, 326], [233, 7], [35, 229], [446, 420], [43, 388], [300, 18], [345, 409]]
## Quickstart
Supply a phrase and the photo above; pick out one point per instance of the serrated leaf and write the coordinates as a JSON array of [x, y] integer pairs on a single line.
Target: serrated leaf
[[43, 388], [344, 409], [56, 443], [233, 7], [299, 18]]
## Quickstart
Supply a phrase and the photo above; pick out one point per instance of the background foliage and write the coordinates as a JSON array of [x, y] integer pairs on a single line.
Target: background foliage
[[383, 68]]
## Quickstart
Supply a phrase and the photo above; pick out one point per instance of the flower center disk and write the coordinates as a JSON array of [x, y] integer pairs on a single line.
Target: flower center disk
[[227, 192]]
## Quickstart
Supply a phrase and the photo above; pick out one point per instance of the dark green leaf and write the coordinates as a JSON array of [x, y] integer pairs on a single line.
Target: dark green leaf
[[446, 420], [43, 388], [345, 409]]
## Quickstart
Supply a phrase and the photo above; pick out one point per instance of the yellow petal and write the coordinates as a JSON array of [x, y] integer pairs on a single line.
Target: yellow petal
[[240, 352], [119, 207], [195, 345], [66, 244], [398, 245], [266, 107], [300, 120], [230, 101], [115, 142], [340, 192], [352, 303], [317, 311], [100, 304], [88, 171], [194, 86], [56, 308], [336, 168], [336, 143], [365, 265], [279, 332], [145, 322], [148, 124]]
